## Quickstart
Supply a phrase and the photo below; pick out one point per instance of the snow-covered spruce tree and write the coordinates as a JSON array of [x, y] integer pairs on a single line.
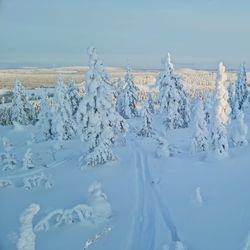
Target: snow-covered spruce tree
[[151, 103], [231, 98], [28, 162], [208, 106], [221, 115], [100, 124], [173, 100], [74, 96], [239, 128], [22, 111], [131, 94], [241, 86], [65, 125], [120, 97], [200, 139], [45, 130], [147, 130], [8, 158]]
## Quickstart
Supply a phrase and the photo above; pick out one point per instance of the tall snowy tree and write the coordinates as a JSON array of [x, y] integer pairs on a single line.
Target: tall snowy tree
[[62, 110], [131, 94], [151, 103], [241, 91], [22, 111], [45, 127], [100, 122], [147, 129], [173, 100], [221, 115], [200, 139], [8, 158], [239, 128], [208, 106], [120, 97]]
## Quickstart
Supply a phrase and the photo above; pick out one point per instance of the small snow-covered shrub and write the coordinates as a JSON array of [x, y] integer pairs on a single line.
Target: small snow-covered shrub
[[27, 236], [28, 162], [5, 183], [36, 181]]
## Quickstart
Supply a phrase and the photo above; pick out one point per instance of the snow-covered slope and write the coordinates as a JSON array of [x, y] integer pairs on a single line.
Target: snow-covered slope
[[143, 200]]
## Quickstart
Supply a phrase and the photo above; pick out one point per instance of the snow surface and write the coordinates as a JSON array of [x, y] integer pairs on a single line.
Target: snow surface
[[152, 198]]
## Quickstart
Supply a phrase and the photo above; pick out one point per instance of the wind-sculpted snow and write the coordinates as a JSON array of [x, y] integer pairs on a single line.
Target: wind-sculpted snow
[[96, 211], [27, 237]]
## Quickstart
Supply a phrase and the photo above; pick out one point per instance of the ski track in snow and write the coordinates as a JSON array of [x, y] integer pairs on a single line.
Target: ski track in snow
[[148, 203]]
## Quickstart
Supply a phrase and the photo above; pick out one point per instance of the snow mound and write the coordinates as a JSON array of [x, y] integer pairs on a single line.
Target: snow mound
[[5, 183], [27, 237]]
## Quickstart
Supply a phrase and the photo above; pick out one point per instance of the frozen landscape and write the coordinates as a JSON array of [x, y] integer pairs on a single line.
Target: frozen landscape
[[122, 164]]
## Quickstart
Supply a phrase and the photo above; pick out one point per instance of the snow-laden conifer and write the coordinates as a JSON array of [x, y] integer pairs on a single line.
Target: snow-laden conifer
[[200, 139], [22, 111], [65, 125], [147, 129], [100, 123], [220, 115], [239, 128], [45, 127], [241, 91], [131, 94], [173, 100]]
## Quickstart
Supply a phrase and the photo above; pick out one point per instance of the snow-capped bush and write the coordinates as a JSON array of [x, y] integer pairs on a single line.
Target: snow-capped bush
[[98, 120], [8, 158], [60, 217], [174, 103], [220, 115], [27, 236], [28, 162], [36, 181]]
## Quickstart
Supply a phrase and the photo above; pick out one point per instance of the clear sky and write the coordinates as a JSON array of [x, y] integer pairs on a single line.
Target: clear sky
[[198, 33]]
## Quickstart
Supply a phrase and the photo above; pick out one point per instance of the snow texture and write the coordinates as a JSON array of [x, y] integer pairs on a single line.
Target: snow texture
[[27, 236]]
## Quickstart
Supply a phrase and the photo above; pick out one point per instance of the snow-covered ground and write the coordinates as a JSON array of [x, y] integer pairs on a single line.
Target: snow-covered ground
[[143, 200]]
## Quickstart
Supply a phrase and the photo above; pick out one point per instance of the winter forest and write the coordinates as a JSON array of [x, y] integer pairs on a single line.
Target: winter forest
[[105, 165]]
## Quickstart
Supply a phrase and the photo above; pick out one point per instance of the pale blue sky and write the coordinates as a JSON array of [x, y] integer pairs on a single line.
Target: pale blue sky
[[198, 33]]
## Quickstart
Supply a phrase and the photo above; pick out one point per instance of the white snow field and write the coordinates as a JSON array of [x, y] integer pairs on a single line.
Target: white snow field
[[140, 201]]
